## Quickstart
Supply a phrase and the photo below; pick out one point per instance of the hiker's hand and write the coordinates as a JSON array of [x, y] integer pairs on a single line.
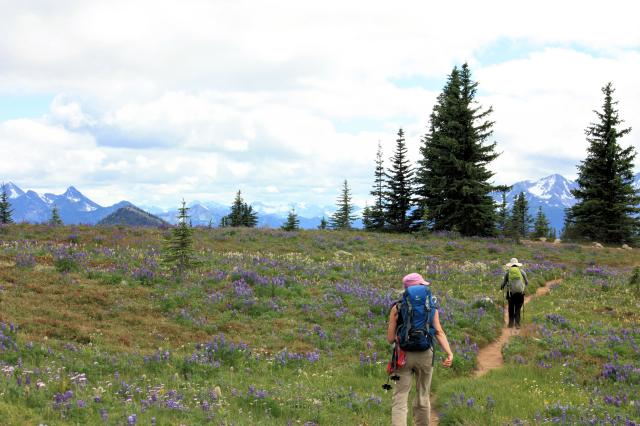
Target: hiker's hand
[[447, 362]]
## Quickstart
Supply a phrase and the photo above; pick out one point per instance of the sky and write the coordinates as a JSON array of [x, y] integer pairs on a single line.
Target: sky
[[156, 101]]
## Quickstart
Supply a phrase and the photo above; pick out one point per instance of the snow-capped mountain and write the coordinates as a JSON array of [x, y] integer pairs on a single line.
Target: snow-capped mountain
[[12, 190], [552, 193], [73, 206]]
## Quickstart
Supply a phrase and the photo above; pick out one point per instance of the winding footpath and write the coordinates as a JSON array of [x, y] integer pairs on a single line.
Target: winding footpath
[[490, 356]]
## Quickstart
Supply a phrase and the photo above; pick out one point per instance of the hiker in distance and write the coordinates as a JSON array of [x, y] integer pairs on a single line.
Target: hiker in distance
[[515, 281], [413, 322]]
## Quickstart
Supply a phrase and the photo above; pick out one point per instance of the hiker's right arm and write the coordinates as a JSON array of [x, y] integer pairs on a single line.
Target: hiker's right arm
[[442, 340], [393, 322]]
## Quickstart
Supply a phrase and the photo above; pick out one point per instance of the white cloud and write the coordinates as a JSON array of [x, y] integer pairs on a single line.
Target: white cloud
[[164, 99]]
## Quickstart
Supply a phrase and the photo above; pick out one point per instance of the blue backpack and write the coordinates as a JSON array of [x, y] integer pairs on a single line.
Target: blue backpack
[[416, 311]]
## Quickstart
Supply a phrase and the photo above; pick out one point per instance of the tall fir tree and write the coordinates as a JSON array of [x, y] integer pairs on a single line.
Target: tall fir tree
[[398, 196], [55, 219], [343, 216], [607, 203], [241, 214], [376, 212], [520, 220], [292, 223], [178, 251], [453, 177], [5, 207], [541, 225]]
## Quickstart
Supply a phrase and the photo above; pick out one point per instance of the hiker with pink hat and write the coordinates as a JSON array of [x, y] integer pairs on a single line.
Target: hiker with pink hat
[[413, 323]]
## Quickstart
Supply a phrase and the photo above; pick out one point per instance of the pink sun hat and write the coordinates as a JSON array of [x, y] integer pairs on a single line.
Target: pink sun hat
[[414, 279]]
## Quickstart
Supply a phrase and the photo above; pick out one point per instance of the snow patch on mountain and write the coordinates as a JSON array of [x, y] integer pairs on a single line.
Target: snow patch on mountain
[[12, 190], [540, 190]]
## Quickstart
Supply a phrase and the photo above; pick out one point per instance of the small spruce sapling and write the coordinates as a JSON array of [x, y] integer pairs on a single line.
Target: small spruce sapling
[[292, 223], [178, 251]]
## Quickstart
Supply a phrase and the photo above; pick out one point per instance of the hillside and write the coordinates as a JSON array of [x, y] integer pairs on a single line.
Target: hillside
[[277, 327], [132, 216]]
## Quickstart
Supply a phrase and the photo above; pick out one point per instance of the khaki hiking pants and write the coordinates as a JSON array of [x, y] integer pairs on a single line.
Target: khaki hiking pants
[[420, 365]]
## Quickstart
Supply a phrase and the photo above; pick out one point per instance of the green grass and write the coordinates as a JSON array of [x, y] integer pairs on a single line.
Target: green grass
[[303, 316]]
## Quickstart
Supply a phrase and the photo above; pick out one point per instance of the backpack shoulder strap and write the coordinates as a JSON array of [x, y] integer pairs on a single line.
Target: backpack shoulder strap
[[432, 305]]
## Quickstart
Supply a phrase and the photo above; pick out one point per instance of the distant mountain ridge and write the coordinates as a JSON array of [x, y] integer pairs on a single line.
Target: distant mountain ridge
[[132, 216], [74, 208], [552, 193]]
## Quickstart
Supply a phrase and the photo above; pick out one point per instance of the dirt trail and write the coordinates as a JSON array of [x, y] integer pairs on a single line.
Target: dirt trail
[[490, 357]]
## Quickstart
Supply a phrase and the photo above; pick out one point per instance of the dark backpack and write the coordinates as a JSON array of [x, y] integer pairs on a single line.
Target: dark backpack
[[416, 311]]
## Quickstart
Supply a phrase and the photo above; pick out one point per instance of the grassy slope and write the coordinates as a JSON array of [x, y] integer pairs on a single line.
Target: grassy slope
[[310, 307]]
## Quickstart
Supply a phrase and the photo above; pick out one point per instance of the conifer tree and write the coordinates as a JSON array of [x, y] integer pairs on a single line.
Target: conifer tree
[[178, 250], [541, 225], [453, 178], [367, 220], [607, 203], [376, 212], [292, 223], [343, 216], [503, 211], [5, 207], [241, 214], [398, 196], [323, 223], [249, 216], [520, 221], [55, 217]]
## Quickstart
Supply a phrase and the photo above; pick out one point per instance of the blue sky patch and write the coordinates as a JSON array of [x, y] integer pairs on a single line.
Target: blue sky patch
[[506, 49], [24, 106], [428, 83]]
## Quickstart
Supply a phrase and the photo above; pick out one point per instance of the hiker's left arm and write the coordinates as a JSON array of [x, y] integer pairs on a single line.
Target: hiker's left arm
[[524, 276], [393, 322], [442, 340], [505, 280]]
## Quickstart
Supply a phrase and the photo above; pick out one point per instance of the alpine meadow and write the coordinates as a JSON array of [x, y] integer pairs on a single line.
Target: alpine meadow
[[336, 213]]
